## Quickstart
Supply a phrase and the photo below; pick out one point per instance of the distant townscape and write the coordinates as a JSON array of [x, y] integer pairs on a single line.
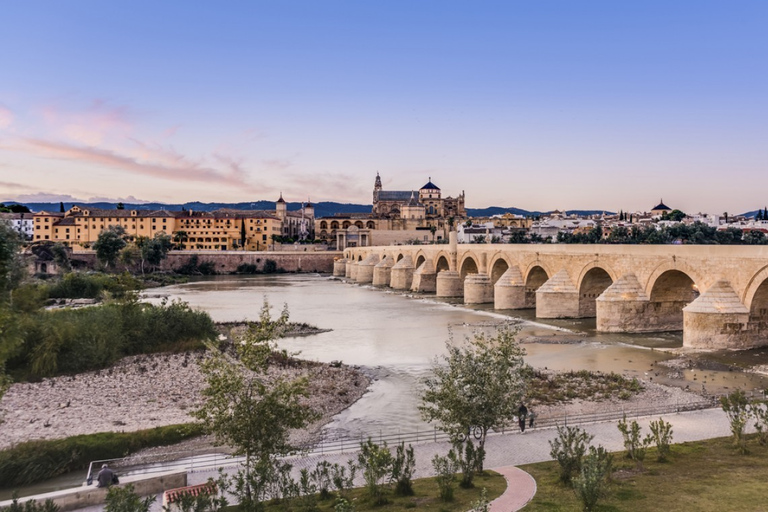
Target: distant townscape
[[419, 216]]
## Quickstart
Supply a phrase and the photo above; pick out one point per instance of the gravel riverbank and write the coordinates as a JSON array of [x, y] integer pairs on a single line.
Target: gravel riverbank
[[142, 392]]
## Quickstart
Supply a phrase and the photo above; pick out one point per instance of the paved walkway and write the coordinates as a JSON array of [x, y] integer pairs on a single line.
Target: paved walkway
[[506, 451]]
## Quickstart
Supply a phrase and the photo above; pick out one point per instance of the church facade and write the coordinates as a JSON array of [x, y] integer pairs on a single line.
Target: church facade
[[397, 216]]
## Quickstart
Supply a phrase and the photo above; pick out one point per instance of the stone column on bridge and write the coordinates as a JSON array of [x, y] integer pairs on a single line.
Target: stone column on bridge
[[382, 271], [509, 290], [453, 250], [716, 320], [402, 274], [365, 269], [449, 284], [557, 298], [340, 267], [425, 278], [478, 289], [623, 307]]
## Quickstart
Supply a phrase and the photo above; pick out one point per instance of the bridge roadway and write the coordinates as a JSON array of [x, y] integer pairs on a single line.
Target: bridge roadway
[[717, 295]]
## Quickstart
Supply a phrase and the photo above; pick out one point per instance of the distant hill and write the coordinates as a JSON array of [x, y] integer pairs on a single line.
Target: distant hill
[[322, 209]]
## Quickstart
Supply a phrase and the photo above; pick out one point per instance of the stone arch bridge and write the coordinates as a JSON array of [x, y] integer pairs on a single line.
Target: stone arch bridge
[[717, 295]]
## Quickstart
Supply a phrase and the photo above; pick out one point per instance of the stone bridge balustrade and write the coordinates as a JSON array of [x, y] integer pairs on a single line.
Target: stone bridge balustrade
[[718, 295]]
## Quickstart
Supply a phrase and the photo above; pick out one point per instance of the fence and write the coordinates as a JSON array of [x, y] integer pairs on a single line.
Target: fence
[[186, 461]]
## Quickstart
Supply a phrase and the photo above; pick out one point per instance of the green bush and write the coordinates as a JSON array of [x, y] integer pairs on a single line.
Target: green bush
[[77, 340], [568, 449], [33, 461], [31, 506]]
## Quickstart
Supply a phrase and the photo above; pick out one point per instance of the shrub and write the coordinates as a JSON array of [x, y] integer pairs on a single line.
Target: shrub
[[376, 463], [633, 442], [760, 413], [342, 480], [403, 467], [568, 449], [467, 459], [736, 407], [30, 506], [321, 478], [591, 483], [125, 499], [34, 461], [270, 267], [445, 474], [661, 432]]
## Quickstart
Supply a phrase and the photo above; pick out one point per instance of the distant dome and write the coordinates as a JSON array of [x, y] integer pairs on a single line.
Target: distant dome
[[661, 206], [430, 186]]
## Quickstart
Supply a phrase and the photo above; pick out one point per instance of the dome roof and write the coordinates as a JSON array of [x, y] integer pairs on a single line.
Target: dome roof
[[430, 185], [661, 206]]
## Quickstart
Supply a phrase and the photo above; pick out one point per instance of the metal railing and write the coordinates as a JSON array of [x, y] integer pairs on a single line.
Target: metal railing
[[187, 461]]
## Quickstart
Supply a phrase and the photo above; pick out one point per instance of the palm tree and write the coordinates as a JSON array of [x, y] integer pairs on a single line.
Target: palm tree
[[180, 237]]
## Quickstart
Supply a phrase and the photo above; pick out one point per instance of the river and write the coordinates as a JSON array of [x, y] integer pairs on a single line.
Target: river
[[395, 337]]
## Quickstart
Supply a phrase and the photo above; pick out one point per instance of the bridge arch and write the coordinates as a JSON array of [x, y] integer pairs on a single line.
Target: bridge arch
[[754, 284], [756, 299], [442, 263], [593, 281], [497, 269], [398, 257], [671, 265], [535, 276], [671, 291], [468, 266], [420, 258]]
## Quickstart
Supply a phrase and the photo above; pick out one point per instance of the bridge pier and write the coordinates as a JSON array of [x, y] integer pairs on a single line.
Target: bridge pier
[[348, 269], [340, 267], [717, 320], [425, 278], [478, 289], [402, 274], [509, 290], [623, 307], [365, 269], [449, 284], [382, 272], [557, 298]]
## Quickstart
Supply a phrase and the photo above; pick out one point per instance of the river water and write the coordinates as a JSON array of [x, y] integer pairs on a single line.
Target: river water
[[395, 337]]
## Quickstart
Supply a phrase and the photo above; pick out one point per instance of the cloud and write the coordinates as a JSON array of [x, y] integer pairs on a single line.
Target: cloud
[[324, 186], [154, 162], [277, 164], [52, 197], [6, 116]]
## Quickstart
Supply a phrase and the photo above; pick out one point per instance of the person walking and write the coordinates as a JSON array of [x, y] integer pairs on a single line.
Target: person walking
[[522, 412], [531, 417]]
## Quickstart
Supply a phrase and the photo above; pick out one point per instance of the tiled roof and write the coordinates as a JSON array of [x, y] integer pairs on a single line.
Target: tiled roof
[[395, 195]]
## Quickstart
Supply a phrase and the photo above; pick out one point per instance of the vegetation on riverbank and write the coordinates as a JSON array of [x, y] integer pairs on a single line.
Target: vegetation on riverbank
[[35, 461], [549, 388], [54, 342], [425, 496], [707, 476]]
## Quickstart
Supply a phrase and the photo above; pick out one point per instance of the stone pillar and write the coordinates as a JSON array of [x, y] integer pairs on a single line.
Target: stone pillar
[[402, 274], [340, 267], [624, 307], [348, 269], [365, 269], [557, 298], [509, 290], [382, 271], [453, 249], [425, 278], [449, 284], [478, 289], [716, 320]]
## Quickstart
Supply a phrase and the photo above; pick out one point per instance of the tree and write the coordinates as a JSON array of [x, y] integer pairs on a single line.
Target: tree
[[480, 385], [154, 250], [125, 499], [180, 238], [120, 206], [61, 208], [242, 234], [109, 244], [11, 266], [251, 413], [433, 230], [736, 407], [568, 449]]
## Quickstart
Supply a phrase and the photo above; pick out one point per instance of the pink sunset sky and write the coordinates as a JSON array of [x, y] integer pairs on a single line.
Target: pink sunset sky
[[536, 105]]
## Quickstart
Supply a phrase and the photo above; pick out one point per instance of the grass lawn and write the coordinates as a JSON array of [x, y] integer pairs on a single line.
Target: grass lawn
[[425, 498], [701, 476]]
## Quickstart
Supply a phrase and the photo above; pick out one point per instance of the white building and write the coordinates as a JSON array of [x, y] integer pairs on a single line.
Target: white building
[[22, 223]]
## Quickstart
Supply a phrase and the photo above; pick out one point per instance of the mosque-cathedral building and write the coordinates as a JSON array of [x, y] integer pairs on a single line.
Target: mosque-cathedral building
[[397, 216]]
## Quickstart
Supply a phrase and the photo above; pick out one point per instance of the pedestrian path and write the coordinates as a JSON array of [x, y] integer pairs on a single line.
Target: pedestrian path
[[504, 452]]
